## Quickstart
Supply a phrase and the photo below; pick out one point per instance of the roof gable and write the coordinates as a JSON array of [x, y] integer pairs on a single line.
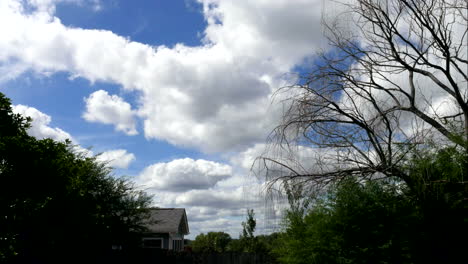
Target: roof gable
[[168, 220]]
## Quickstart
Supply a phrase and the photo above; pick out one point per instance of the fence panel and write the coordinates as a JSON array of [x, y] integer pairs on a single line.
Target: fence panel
[[164, 256]]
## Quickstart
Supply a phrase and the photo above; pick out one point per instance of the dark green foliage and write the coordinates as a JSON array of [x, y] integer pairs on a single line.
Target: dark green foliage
[[56, 202], [247, 241], [437, 185], [11, 124], [247, 238], [248, 227], [420, 220], [354, 223], [236, 245], [266, 243], [211, 242]]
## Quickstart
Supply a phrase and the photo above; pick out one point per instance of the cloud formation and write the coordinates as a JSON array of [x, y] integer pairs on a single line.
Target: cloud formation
[[117, 158], [215, 197], [184, 175], [213, 97], [110, 109], [40, 125]]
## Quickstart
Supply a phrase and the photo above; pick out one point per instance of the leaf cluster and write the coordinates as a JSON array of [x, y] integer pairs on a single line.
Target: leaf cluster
[[55, 201], [356, 222], [211, 242], [386, 220]]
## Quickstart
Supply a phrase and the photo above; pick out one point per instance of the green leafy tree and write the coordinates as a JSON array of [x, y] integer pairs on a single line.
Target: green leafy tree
[[361, 120], [211, 242], [247, 238], [385, 220], [56, 202], [248, 242], [249, 225], [266, 245], [439, 191], [236, 245], [356, 222]]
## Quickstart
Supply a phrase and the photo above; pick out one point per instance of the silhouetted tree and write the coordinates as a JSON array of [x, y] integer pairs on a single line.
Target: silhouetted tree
[[211, 242], [394, 81], [56, 202]]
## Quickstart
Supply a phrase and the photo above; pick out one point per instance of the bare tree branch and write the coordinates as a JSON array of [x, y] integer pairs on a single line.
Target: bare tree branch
[[361, 101]]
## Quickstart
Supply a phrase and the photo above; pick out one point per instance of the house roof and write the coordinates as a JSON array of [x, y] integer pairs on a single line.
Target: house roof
[[168, 220]]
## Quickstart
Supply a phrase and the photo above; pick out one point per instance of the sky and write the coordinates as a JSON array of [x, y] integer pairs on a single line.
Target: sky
[[175, 95]]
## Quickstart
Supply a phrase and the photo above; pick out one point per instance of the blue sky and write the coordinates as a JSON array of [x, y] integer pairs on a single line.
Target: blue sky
[[152, 22], [177, 95]]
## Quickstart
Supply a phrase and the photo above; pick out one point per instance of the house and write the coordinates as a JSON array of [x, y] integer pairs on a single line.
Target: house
[[167, 228]]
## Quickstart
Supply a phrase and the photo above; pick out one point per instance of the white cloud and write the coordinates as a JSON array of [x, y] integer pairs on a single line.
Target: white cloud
[[213, 97], [183, 175], [281, 31], [11, 70], [215, 198], [302, 159], [117, 158], [41, 129], [210, 198], [40, 125], [205, 207], [110, 109]]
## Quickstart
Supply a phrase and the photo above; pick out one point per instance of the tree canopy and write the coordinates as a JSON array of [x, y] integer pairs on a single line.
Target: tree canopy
[[211, 242], [355, 222], [56, 201], [387, 103], [393, 81], [362, 221]]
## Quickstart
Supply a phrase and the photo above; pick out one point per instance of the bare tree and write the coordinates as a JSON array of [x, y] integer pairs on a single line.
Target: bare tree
[[395, 79]]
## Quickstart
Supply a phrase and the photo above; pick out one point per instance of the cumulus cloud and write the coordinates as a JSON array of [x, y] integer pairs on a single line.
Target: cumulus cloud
[[210, 198], [184, 174], [214, 195], [40, 125], [117, 158], [227, 225], [205, 207], [213, 97], [110, 109], [302, 159], [40, 128]]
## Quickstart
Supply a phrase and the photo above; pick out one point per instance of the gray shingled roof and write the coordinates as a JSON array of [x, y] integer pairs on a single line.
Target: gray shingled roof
[[168, 220]]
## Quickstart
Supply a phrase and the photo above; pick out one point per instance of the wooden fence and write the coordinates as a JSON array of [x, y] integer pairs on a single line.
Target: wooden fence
[[163, 256]]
